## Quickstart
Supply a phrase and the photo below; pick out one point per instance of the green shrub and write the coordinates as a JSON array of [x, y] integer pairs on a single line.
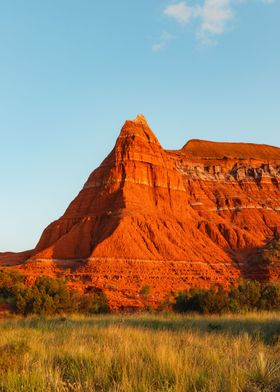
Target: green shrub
[[270, 298], [215, 300], [94, 303], [248, 295], [145, 291], [48, 296], [10, 282]]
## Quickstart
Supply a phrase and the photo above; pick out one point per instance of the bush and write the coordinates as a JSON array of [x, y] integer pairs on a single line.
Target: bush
[[270, 298], [10, 282], [248, 295], [48, 296], [94, 303], [145, 291], [215, 300]]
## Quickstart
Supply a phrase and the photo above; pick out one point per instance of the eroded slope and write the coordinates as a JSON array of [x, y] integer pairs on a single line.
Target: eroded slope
[[167, 219]]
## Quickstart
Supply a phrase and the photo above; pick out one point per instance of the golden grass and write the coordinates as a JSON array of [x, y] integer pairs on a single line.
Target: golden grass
[[141, 353]]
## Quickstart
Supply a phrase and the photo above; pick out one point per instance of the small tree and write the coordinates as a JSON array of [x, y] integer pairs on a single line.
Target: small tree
[[270, 298], [145, 291], [94, 303], [247, 294]]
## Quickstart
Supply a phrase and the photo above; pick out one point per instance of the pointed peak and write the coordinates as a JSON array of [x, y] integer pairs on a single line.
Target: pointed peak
[[140, 119], [138, 128]]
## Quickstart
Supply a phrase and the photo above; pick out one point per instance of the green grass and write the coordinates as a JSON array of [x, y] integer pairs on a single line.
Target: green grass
[[141, 353]]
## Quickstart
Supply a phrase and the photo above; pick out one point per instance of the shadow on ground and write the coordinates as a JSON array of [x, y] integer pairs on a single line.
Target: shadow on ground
[[266, 329]]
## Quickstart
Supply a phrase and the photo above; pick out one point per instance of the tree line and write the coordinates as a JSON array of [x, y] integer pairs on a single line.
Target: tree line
[[246, 296], [47, 296]]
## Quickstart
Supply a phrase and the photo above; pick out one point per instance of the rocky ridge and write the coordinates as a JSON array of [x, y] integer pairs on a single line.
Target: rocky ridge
[[166, 219]]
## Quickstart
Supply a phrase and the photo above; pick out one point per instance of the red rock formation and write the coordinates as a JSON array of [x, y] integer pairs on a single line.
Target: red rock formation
[[167, 219], [10, 258]]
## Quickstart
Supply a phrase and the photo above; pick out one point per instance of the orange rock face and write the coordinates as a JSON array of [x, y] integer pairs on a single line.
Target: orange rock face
[[166, 219]]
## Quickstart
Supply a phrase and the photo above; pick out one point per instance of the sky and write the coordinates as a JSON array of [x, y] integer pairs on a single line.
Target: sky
[[72, 72]]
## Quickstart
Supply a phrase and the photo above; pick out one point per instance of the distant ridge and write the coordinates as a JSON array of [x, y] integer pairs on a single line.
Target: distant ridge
[[203, 148]]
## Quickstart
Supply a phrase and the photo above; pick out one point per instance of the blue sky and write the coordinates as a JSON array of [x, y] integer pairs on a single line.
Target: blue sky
[[71, 72]]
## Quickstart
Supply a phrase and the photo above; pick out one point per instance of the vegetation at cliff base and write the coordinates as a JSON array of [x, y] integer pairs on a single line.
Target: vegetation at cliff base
[[247, 296], [47, 296]]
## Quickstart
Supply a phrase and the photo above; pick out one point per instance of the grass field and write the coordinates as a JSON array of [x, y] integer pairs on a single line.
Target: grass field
[[141, 353]]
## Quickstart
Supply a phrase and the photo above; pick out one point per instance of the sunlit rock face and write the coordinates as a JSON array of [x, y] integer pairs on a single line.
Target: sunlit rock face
[[168, 219]]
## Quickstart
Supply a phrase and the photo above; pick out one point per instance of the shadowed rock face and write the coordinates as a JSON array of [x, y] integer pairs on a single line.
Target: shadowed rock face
[[168, 219]]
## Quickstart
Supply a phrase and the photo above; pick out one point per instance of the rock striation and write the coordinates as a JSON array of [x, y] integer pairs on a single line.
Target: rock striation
[[166, 219]]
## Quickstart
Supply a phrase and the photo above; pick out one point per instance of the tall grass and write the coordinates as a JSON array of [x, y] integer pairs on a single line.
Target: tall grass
[[141, 353]]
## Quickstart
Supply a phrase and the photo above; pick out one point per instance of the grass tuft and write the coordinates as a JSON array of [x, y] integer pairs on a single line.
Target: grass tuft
[[141, 353]]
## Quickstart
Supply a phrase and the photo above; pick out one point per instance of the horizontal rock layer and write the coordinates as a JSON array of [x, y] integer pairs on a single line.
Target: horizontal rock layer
[[167, 219]]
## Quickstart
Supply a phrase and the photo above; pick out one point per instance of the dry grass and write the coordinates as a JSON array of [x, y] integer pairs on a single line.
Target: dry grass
[[141, 353]]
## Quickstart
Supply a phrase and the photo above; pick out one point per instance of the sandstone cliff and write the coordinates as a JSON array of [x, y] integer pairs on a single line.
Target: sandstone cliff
[[167, 219]]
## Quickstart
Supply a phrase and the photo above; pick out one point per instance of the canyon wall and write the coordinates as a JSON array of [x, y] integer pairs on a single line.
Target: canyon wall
[[166, 219]]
